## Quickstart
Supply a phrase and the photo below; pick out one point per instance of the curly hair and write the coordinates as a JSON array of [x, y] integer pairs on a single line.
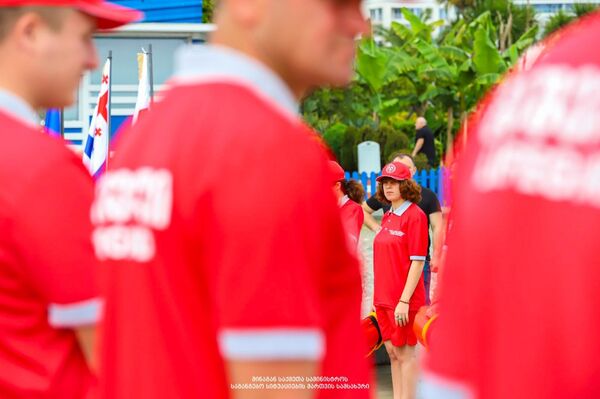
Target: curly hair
[[409, 191], [354, 190]]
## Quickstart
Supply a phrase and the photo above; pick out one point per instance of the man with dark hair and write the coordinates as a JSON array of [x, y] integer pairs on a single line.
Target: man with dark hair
[[424, 142], [429, 204], [48, 302]]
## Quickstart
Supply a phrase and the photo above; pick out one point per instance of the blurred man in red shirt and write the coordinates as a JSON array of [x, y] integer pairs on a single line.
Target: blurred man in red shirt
[[520, 289], [48, 302], [223, 272]]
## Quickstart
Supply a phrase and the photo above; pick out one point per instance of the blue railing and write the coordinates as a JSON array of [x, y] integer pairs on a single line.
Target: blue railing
[[432, 179]]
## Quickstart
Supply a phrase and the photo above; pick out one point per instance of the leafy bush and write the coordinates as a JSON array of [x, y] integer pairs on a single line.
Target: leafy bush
[[334, 137], [344, 140]]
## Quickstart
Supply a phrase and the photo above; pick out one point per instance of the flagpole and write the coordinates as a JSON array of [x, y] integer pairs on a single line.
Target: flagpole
[[62, 123], [110, 76], [151, 74]]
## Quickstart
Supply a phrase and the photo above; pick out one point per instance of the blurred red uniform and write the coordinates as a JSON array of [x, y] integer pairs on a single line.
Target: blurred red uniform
[[47, 275], [214, 249], [47, 262], [520, 289]]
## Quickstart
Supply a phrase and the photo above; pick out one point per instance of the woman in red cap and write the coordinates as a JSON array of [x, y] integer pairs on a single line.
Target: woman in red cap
[[399, 252], [350, 195]]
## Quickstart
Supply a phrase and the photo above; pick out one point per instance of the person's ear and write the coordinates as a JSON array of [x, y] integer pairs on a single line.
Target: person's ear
[[27, 31]]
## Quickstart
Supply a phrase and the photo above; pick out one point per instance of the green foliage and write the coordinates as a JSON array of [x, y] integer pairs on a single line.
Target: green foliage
[[414, 73], [208, 8], [557, 21], [334, 136], [421, 162], [393, 144], [348, 152], [504, 13], [486, 57], [582, 9], [343, 140]]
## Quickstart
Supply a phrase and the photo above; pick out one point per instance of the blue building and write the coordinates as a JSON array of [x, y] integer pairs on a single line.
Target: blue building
[[167, 11], [167, 25]]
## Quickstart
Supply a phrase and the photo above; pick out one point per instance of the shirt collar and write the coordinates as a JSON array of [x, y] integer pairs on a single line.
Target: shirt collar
[[401, 209], [205, 63], [17, 108], [343, 201]]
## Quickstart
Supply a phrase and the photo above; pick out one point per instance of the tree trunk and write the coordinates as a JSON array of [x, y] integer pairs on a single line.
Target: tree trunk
[[449, 136]]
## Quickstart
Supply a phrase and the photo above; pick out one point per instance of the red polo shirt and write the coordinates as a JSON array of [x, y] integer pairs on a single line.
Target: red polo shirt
[[211, 251], [47, 279], [402, 239], [352, 219], [520, 290]]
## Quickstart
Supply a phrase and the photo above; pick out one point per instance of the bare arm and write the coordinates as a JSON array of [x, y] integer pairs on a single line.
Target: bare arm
[[436, 221], [369, 219], [242, 372], [418, 146], [86, 336], [414, 274]]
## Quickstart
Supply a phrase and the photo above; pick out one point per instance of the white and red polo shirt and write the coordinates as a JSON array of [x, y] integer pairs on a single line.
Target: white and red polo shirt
[[47, 272], [402, 239], [520, 292], [210, 248], [352, 219]]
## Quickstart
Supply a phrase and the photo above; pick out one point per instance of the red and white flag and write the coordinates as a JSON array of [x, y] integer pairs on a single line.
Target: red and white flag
[[95, 150]]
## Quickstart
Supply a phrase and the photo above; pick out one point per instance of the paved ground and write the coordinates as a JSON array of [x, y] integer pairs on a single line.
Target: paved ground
[[384, 383]]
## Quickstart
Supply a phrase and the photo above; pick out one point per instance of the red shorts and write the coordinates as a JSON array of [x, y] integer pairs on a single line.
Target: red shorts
[[399, 335]]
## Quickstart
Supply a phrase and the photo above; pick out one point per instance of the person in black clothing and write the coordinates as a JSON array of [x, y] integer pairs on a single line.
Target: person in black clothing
[[424, 142], [429, 204]]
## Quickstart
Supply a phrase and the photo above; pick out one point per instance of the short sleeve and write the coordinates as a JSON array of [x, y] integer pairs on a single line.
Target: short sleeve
[[420, 134], [418, 235], [432, 204], [53, 236]]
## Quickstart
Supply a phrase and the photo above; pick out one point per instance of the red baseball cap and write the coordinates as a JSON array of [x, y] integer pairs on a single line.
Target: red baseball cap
[[107, 15], [396, 171], [337, 173]]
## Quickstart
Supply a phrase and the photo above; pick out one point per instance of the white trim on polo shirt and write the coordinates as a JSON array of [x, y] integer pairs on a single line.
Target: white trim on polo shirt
[[401, 209], [75, 314], [343, 201], [272, 343], [437, 387], [213, 63], [18, 108], [423, 258]]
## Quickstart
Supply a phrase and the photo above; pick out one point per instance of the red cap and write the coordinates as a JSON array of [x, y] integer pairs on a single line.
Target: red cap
[[337, 173], [107, 15], [396, 171]]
